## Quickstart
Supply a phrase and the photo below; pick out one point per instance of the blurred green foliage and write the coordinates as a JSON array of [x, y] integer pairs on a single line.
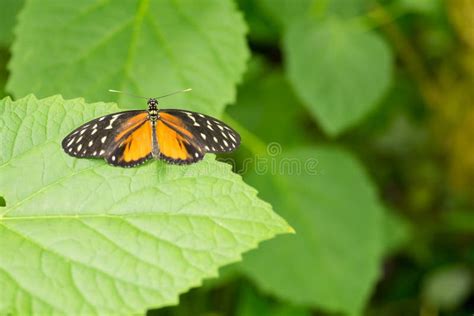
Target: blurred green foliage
[[379, 93]]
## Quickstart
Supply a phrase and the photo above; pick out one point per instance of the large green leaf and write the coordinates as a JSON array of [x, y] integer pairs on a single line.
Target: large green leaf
[[84, 48], [78, 236], [334, 259], [338, 69]]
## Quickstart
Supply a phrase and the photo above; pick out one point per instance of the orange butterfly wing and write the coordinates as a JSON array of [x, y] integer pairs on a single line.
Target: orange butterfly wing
[[175, 142], [134, 145], [98, 138], [203, 131]]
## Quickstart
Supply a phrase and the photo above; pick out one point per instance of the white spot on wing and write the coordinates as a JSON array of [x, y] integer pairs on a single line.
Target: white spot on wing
[[113, 158], [79, 147], [79, 139], [191, 116], [203, 136], [225, 143], [215, 139], [70, 142], [232, 137], [114, 117], [94, 131], [196, 155], [103, 139], [102, 152]]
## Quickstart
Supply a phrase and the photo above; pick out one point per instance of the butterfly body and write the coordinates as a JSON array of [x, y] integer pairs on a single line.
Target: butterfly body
[[130, 138]]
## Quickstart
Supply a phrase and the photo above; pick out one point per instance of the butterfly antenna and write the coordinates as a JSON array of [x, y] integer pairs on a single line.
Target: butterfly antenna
[[127, 93], [167, 95]]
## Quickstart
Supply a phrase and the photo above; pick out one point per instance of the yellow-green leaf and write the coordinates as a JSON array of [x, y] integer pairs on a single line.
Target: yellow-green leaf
[[80, 237]]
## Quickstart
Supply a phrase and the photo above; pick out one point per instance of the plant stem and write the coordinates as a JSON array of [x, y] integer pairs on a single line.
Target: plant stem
[[408, 55]]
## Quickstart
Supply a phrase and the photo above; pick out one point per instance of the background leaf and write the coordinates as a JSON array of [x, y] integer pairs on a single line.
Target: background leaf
[[262, 100], [81, 237], [251, 304], [3, 71], [146, 47], [397, 231], [8, 14], [338, 69], [301, 9], [333, 260]]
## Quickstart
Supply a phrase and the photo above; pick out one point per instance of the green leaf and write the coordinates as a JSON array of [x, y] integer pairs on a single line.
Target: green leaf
[[260, 103], [333, 260], [262, 28], [301, 9], [78, 236], [293, 10], [4, 55], [338, 69], [84, 48], [8, 14], [459, 221], [429, 7], [347, 8]]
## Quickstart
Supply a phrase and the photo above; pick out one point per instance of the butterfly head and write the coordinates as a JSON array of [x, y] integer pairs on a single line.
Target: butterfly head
[[152, 108], [152, 103]]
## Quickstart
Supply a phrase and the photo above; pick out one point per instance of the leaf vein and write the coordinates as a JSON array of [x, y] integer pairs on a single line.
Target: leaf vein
[[68, 260], [11, 277]]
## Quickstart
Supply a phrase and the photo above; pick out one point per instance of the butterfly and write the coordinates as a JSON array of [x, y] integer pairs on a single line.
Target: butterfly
[[130, 138]]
